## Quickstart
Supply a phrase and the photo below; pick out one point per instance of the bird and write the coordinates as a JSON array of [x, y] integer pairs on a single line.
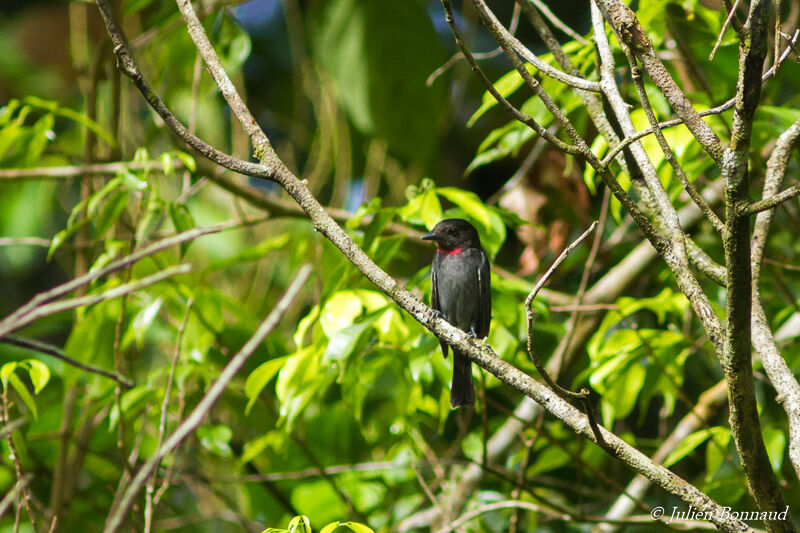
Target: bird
[[461, 293]]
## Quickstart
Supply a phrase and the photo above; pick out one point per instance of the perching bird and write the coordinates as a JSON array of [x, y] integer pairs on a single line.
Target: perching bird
[[460, 291]]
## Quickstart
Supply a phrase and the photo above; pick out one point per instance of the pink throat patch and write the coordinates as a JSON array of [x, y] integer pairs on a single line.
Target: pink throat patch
[[454, 251]]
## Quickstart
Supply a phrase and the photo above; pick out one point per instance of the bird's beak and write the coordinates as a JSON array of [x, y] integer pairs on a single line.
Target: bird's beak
[[430, 237]]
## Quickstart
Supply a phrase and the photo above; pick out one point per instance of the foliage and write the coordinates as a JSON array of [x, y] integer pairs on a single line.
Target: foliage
[[342, 413]]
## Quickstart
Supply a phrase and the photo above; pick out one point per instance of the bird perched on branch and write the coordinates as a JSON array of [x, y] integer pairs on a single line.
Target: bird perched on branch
[[460, 291]]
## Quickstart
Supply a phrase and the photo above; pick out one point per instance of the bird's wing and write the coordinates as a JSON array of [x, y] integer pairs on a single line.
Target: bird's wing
[[435, 298], [485, 297], [434, 289]]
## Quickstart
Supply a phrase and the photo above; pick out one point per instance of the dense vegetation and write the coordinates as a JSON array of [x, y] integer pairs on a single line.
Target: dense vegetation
[[165, 267]]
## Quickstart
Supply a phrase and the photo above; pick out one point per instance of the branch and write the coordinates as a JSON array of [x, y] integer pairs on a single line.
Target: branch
[[9, 326], [564, 393], [500, 35], [195, 418], [53, 351], [505, 104], [6, 325], [673, 250], [607, 289], [628, 30], [707, 405], [78, 171], [777, 370], [772, 202], [636, 75], [736, 360], [557, 22], [708, 112], [567, 79]]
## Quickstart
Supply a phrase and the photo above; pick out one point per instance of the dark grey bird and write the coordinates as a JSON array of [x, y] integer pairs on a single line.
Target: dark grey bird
[[460, 291]]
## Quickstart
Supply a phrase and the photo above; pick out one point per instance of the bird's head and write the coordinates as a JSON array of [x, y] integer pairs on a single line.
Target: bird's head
[[453, 234]]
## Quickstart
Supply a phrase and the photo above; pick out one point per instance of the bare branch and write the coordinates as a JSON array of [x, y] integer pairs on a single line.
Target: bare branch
[[477, 352], [557, 22], [81, 281], [88, 170], [8, 326], [584, 393], [731, 14], [688, 186], [530, 57], [736, 358]]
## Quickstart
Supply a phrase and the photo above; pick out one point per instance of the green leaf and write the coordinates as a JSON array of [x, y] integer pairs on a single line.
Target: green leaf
[[352, 526], [339, 312], [133, 182], [112, 210], [298, 382], [187, 160], [424, 208], [716, 453], [23, 392], [39, 373], [6, 370], [60, 237], [344, 341], [300, 524], [142, 322], [377, 81], [691, 442], [775, 441], [506, 85], [259, 378], [216, 439]]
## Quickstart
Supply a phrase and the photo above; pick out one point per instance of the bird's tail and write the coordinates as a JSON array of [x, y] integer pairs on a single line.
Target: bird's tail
[[462, 391]]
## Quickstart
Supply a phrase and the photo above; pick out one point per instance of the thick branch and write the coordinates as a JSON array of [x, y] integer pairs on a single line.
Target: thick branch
[[629, 31], [736, 361], [777, 370]]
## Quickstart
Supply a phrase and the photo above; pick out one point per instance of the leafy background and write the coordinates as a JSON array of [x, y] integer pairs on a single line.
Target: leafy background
[[347, 381]]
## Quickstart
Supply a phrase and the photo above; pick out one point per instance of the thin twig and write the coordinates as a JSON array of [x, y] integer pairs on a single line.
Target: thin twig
[[85, 279], [557, 22], [708, 112], [14, 457], [478, 55], [88, 171], [11, 495], [36, 313], [150, 503], [722, 31], [688, 186], [505, 104], [584, 393], [56, 352]]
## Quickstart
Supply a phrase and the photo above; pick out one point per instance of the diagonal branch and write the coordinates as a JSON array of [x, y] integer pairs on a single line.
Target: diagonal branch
[[630, 32]]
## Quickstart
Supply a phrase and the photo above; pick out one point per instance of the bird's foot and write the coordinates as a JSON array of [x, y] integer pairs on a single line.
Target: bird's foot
[[474, 335]]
